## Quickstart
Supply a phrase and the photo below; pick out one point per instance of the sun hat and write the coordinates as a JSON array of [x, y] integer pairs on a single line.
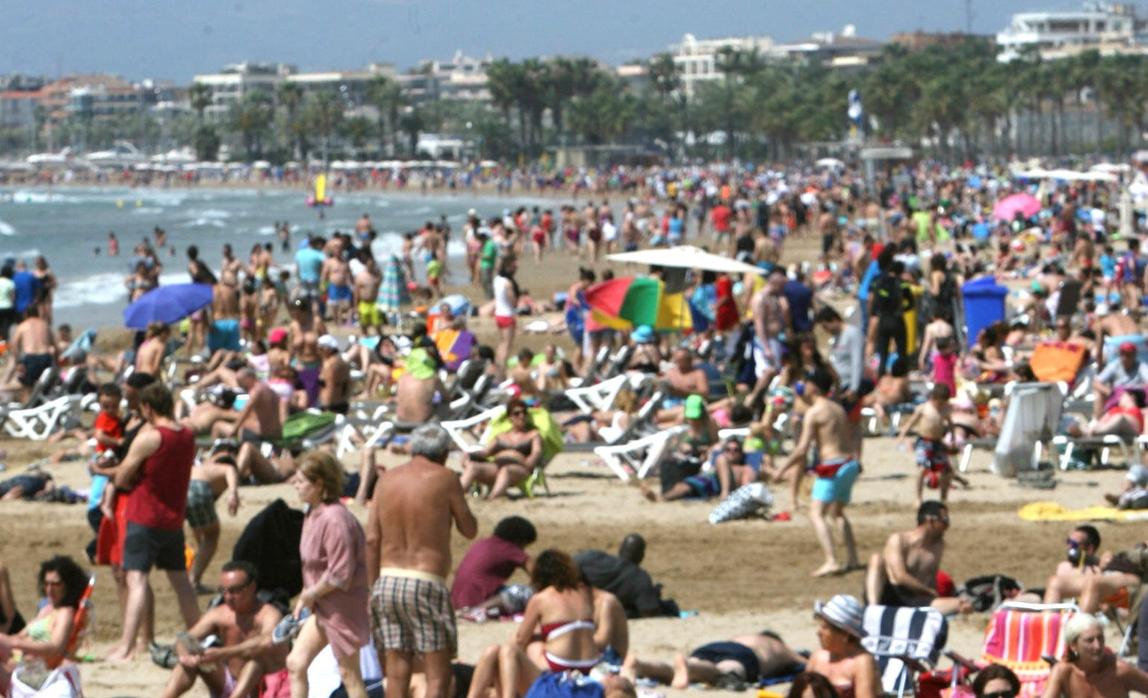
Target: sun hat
[[642, 334], [843, 612], [695, 407], [328, 342]]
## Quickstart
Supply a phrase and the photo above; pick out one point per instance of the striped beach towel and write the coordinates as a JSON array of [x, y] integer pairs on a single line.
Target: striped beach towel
[[894, 635], [1020, 639]]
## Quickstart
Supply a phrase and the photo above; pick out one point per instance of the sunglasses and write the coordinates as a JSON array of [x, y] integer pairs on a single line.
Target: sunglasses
[[1000, 694], [1073, 543], [518, 413], [235, 588]]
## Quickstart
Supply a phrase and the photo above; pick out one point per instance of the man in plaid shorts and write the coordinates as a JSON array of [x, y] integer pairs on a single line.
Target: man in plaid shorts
[[408, 552]]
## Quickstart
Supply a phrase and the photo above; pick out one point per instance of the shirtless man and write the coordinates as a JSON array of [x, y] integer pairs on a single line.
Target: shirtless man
[[824, 428], [414, 396], [408, 558], [363, 225], [367, 283], [334, 377], [523, 374], [257, 421], [904, 573], [34, 349], [1114, 327], [770, 321], [679, 382], [338, 278], [149, 356], [245, 656], [229, 268], [305, 330], [932, 421]]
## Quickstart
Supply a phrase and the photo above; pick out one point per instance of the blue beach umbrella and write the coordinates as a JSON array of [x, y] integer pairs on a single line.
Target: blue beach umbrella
[[167, 304]]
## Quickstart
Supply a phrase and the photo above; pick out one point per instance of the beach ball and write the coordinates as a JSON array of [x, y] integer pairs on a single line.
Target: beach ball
[[781, 399]]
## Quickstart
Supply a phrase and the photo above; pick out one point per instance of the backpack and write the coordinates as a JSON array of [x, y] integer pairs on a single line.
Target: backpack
[[988, 591]]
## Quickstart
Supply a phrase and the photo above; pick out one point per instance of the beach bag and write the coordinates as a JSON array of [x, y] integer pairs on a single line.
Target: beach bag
[[753, 499], [28, 682], [988, 591]]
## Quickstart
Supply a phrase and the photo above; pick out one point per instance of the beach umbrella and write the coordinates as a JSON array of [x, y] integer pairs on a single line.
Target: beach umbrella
[[634, 300], [167, 304], [685, 257], [1024, 204]]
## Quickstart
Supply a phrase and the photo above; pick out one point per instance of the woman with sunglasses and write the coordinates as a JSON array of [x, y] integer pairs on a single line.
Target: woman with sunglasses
[[996, 681], [1088, 668], [61, 582], [509, 459]]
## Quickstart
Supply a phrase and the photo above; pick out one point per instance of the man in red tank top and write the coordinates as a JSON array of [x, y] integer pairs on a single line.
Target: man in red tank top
[[156, 469]]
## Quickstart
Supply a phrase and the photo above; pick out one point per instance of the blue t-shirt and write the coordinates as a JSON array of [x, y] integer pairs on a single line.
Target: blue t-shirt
[[800, 301], [308, 263], [26, 287], [1108, 266]]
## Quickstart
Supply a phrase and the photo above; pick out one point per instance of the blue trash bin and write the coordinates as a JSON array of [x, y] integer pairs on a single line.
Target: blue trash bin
[[984, 305]]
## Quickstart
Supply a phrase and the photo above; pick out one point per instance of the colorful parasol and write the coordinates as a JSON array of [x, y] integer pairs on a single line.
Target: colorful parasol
[[630, 301]]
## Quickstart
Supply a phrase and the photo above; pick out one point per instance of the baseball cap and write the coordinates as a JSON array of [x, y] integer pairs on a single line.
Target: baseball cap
[[695, 407], [277, 335], [1127, 348], [843, 612], [642, 334], [329, 342]]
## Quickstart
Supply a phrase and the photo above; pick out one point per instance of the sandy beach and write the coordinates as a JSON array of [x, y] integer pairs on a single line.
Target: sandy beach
[[739, 577]]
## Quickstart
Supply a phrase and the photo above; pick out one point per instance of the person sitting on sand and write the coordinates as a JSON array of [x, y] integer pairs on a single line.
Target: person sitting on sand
[[245, 661], [932, 423], [1081, 555], [892, 389], [623, 576], [904, 573], [741, 660], [488, 563], [61, 583], [1134, 491], [824, 428], [842, 659], [729, 472], [509, 459], [1088, 668]]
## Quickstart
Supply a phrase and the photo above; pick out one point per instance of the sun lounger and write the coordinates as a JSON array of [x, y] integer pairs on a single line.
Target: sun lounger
[[38, 423], [1021, 636], [1068, 445], [637, 458]]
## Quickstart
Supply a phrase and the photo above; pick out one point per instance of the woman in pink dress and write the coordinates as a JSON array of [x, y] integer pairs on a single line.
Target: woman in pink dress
[[333, 550]]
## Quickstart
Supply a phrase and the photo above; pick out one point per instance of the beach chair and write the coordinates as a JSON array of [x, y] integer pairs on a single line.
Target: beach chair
[[599, 396], [1027, 638], [471, 433], [905, 642], [1068, 445], [38, 423], [638, 457], [63, 681]]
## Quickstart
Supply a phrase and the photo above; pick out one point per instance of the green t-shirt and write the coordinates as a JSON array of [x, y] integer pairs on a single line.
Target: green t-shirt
[[489, 254]]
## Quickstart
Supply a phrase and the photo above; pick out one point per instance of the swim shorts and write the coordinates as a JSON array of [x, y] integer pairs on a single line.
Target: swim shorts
[[337, 294], [369, 315], [838, 488], [200, 505], [504, 321], [932, 456], [411, 612], [146, 547], [34, 365], [716, 652]]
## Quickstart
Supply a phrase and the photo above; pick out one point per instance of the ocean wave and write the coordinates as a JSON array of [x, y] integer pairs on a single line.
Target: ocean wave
[[148, 210], [22, 196], [97, 289], [6, 228]]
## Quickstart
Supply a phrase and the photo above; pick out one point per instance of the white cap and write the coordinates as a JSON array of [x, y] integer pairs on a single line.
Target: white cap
[[329, 342], [843, 612]]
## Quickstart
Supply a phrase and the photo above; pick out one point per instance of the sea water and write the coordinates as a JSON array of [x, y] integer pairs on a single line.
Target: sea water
[[70, 227]]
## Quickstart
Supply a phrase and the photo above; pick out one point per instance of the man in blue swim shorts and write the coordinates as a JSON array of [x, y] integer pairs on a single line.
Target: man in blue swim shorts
[[824, 428]]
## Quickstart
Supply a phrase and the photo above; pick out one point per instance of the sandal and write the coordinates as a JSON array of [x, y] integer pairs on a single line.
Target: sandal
[[163, 656]]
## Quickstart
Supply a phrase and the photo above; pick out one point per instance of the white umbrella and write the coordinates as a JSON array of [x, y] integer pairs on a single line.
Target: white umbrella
[[685, 257]]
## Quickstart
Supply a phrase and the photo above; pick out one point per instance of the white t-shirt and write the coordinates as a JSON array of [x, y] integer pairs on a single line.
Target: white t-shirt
[[503, 303]]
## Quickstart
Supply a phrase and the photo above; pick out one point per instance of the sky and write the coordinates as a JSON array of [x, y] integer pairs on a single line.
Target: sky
[[170, 40]]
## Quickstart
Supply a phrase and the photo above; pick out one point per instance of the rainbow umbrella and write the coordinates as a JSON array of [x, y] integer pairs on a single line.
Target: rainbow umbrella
[[630, 301]]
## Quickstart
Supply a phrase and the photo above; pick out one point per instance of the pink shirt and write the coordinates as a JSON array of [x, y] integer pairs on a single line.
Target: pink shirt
[[333, 548], [945, 370]]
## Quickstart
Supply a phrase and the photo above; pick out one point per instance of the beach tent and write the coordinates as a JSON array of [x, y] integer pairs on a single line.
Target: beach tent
[[984, 304]]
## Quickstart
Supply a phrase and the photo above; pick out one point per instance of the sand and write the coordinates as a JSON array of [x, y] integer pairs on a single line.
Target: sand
[[741, 576]]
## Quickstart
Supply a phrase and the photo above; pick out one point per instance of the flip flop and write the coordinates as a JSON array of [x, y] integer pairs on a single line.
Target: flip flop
[[163, 656]]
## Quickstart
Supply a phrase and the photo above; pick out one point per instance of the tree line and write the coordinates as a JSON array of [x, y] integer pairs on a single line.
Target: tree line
[[953, 101]]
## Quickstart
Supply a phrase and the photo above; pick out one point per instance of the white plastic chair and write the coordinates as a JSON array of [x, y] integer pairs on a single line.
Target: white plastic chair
[[38, 423], [639, 456]]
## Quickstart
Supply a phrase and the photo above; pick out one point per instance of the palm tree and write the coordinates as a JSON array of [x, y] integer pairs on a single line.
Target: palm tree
[[664, 75], [199, 96], [251, 118], [734, 64], [289, 96], [323, 113], [386, 96], [504, 80]]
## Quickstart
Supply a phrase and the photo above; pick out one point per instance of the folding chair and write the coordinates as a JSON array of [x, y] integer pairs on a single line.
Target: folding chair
[[469, 438], [905, 642], [1027, 638], [640, 456], [38, 423], [1106, 444], [597, 397]]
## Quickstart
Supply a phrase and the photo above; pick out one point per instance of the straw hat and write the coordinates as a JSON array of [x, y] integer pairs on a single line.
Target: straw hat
[[843, 612]]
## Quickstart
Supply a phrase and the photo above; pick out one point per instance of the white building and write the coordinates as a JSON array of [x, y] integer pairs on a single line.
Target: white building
[[229, 85], [1107, 27], [696, 59]]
